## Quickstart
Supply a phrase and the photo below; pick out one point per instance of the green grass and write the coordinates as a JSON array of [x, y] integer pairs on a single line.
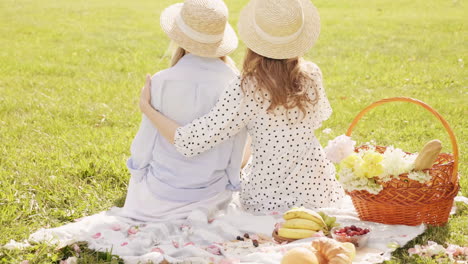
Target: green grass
[[71, 71]]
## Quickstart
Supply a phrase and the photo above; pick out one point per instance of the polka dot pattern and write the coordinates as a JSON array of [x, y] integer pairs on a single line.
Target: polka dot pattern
[[288, 165]]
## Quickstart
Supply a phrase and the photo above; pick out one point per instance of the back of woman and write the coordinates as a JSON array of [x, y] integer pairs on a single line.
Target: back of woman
[[166, 185], [187, 91], [288, 166]]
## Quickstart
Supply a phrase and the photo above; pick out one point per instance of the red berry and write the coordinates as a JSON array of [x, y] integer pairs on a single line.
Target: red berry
[[255, 243]]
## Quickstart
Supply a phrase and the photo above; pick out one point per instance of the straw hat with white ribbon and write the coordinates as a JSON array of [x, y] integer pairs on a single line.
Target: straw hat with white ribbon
[[200, 27], [279, 29]]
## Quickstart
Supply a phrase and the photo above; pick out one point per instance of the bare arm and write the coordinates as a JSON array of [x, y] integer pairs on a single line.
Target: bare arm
[[166, 127]]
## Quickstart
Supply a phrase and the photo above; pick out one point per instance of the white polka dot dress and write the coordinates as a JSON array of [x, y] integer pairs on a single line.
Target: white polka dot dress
[[288, 165]]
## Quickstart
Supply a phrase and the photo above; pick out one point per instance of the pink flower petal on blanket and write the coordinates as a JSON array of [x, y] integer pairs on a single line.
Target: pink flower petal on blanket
[[78, 219], [132, 230], [213, 250], [175, 244], [96, 236], [76, 248], [124, 244], [210, 220], [116, 227], [274, 213], [184, 226], [157, 250], [189, 243], [451, 249]]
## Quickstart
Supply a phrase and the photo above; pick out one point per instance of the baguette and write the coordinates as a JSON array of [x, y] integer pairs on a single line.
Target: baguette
[[428, 155]]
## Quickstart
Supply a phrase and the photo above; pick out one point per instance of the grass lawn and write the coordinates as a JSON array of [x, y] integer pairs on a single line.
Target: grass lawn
[[71, 71]]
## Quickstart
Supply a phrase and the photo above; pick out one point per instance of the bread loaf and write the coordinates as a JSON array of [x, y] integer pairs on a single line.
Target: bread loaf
[[428, 155]]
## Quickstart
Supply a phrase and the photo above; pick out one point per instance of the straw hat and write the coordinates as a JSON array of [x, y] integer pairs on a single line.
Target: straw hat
[[200, 27], [279, 29]]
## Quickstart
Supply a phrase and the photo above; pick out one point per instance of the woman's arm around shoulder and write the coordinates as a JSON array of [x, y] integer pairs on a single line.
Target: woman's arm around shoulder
[[234, 109], [165, 126]]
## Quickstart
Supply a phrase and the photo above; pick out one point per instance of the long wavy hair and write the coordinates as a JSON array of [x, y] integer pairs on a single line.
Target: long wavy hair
[[285, 81]]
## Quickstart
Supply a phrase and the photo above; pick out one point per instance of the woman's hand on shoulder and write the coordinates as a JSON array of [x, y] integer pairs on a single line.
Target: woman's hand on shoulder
[[145, 96]]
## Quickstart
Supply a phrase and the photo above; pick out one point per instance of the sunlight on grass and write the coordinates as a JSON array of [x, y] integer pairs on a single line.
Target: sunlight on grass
[[71, 71]]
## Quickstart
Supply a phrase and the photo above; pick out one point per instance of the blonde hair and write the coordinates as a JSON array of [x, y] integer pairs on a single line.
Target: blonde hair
[[285, 81], [177, 55], [180, 52]]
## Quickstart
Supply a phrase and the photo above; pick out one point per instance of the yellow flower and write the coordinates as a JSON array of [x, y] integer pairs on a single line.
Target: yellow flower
[[372, 165], [371, 170], [359, 170], [351, 161], [372, 157]]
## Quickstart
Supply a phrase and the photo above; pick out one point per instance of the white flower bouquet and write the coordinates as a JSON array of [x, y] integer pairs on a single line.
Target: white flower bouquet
[[366, 169]]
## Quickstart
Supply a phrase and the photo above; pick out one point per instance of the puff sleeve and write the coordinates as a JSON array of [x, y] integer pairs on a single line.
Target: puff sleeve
[[322, 110]]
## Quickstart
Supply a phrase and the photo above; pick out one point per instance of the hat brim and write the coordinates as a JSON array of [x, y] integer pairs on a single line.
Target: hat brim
[[295, 48], [213, 50]]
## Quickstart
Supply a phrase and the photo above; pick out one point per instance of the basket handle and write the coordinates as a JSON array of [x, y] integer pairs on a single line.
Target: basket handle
[[449, 130]]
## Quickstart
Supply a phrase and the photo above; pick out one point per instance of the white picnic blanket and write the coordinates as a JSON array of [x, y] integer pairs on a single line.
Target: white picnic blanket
[[201, 239]]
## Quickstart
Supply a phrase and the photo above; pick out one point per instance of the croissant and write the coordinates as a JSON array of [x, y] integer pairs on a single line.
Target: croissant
[[329, 251]]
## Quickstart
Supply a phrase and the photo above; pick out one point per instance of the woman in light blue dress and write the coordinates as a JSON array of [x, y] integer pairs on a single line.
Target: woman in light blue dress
[[164, 184]]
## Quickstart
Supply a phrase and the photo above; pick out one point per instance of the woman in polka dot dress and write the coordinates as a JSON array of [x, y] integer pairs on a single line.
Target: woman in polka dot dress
[[281, 100]]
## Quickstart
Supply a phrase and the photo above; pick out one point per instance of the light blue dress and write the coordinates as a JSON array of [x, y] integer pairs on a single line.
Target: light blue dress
[[183, 93]]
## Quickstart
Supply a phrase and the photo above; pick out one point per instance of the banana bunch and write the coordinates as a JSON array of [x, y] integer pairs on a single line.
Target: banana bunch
[[301, 223]]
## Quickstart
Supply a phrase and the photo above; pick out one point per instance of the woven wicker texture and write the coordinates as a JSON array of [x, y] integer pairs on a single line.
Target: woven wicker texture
[[405, 201], [279, 18], [206, 17]]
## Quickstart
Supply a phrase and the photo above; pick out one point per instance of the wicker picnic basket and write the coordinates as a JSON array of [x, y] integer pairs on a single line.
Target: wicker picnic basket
[[405, 201]]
